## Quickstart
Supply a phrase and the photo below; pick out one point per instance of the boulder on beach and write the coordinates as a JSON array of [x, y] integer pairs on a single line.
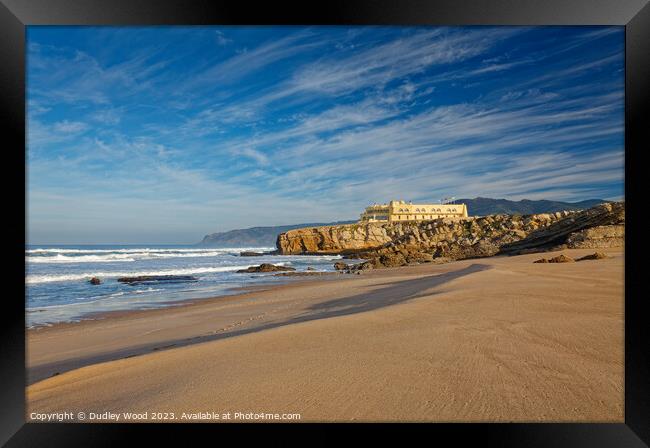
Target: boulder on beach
[[157, 279], [340, 266], [365, 266], [95, 281], [265, 267], [594, 256], [250, 254], [559, 259]]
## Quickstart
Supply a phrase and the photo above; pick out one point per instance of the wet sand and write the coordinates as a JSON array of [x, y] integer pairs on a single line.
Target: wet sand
[[494, 339]]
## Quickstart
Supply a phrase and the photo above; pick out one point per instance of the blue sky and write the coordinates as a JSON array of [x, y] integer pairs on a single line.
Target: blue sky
[[164, 134]]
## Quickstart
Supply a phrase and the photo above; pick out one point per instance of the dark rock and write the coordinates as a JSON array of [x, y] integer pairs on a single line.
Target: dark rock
[[265, 267], [365, 266], [309, 268], [340, 266], [561, 259], [157, 279], [250, 254], [95, 281], [594, 256]]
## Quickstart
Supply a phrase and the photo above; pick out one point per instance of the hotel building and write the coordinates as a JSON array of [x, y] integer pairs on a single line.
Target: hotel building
[[398, 211]]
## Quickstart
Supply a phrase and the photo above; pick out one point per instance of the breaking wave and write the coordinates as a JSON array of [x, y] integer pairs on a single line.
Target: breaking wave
[[33, 279]]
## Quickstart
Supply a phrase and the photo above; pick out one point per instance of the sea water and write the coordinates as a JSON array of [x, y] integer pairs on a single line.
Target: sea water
[[58, 290]]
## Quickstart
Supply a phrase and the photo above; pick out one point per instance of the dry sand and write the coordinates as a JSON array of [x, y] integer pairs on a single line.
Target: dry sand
[[496, 339]]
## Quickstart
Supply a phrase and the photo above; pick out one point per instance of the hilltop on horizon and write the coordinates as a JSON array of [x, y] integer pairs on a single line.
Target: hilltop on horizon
[[480, 206]]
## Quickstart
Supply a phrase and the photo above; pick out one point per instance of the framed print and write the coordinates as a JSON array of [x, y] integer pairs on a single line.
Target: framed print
[[366, 212]]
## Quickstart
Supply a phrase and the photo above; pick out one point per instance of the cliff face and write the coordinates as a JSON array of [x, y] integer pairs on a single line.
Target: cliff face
[[440, 233], [404, 243], [346, 238]]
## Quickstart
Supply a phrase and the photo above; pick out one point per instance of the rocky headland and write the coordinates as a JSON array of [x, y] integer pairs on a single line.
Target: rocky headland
[[445, 239]]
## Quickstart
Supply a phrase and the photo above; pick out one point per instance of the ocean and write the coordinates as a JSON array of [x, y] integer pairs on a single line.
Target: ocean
[[58, 290]]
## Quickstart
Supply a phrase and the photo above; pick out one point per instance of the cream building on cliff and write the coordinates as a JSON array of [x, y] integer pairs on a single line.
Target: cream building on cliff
[[397, 211]]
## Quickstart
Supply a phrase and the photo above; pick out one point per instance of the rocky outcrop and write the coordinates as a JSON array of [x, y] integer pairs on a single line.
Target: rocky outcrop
[[398, 244], [594, 256], [597, 237], [146, 279], [250, 254], [265, 267], [95, 281], [341, 239], [452, 237], [566, 259], [600, 226], [340, 266]]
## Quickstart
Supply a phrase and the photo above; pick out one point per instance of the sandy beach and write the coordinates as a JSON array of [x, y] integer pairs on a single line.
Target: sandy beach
[[497, 339]]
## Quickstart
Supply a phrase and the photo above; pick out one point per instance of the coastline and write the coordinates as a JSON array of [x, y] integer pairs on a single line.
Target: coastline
[[62, 334], [454, 325], [234, 291]]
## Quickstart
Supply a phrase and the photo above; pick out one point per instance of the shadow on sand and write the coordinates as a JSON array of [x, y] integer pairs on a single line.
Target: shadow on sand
[[389, 295]]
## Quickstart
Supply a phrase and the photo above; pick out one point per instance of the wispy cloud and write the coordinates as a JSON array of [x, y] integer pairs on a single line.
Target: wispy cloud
[[248, 60], [198, 130], [221, 38], [70, 127]]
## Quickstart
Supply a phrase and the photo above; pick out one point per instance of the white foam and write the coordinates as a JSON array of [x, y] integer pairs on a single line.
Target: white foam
[[142, 291], [81, 259], [33, 279], [118, 257]]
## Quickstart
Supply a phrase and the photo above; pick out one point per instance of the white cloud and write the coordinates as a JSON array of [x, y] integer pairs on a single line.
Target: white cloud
[[70, 127], [251, 153], [221, 38], [107, 117]]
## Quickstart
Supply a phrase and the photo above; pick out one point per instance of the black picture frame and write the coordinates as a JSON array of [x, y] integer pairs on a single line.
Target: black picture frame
[[15, 15]]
